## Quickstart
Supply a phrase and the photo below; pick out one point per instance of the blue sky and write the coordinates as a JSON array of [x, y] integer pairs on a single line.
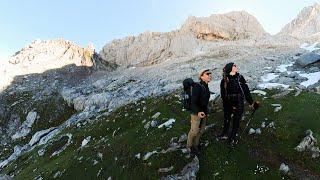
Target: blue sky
[[100, 21]]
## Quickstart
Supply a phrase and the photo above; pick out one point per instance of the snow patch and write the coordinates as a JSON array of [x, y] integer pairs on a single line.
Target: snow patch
[[268, 77], [272, 85], [312, 78], [309, 47], [259, 92], [283, 67]]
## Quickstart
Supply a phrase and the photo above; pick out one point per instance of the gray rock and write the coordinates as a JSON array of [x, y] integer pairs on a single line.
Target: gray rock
[[284, 168], [280, 95], [285, 80], [314, 69], [188, 172], [308, 143], [147, 126], [252, 131], [154, 123], [300, 78], [156, 115], [183, 138], [5, 177], [317, 89], [308, 58], [293, 75], [165, 170]]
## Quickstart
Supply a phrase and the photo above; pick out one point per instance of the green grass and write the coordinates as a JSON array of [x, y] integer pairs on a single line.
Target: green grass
[[52, 111], [217, 160]]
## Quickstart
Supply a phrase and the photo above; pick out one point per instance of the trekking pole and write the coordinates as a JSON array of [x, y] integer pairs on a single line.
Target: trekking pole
[[256, 105], [201, 120]]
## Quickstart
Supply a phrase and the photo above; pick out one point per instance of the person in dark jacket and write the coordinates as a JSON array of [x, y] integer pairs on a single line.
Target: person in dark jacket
[[199, 110], [234, 90]]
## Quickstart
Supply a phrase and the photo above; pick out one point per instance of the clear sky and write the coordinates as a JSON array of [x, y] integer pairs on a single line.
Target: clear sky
[[99, 22]]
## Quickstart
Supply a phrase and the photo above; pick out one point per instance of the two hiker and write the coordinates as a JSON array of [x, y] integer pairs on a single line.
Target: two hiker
[[233, 89]]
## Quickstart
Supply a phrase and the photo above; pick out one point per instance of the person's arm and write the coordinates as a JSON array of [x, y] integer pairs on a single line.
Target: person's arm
[[196, 90], [222, 90], [246, 90]]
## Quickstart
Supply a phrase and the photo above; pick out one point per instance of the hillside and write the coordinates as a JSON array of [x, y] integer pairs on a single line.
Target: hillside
[[129, 141]]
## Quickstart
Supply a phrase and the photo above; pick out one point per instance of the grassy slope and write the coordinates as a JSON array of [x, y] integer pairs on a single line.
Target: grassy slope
[[269, 149], [51, 111]]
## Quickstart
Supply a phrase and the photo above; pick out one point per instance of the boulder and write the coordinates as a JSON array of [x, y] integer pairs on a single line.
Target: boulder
[[308, 58]]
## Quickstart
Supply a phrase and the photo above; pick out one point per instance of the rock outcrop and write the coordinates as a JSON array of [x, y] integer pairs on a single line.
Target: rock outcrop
[[230, 26], [193, 37], [42, 55], [306, 24]]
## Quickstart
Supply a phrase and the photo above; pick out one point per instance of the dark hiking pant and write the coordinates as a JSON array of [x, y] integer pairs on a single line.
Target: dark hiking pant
[[233, 110]]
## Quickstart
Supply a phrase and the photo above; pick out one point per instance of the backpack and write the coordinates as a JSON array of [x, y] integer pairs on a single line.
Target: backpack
[[188, 84]]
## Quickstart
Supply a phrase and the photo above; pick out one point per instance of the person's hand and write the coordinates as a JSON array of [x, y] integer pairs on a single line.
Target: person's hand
[[251, 106], [201, 114]]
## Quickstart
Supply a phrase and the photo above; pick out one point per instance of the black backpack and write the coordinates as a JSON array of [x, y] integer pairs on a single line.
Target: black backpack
[[188, 84]]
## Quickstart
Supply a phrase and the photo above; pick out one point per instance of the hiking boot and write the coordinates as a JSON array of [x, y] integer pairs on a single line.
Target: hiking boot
[[194, 152], [199, 148]]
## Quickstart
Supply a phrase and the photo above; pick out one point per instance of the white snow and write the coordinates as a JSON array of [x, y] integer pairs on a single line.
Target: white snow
[[167, 124], [283, 67], [312, 78], [309, 47], [268, 77], [259, 92], [85, 141], [272, 85]]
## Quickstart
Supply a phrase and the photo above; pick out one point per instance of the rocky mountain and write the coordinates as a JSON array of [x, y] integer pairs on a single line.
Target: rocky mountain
[[306, 24], [42, 55], [230, 26], [68, 112], [193, 37]]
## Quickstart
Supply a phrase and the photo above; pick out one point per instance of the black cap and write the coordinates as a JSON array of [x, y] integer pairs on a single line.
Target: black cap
[[228, 67]]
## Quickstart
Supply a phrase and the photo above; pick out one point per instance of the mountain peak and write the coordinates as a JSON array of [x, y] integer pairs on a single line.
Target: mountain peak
[[229, 26], [53, 51], [306, 24]]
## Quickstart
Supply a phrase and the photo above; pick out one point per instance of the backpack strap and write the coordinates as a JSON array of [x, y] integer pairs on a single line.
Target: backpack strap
[[240, 84], [202, 87], [225, 78]]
